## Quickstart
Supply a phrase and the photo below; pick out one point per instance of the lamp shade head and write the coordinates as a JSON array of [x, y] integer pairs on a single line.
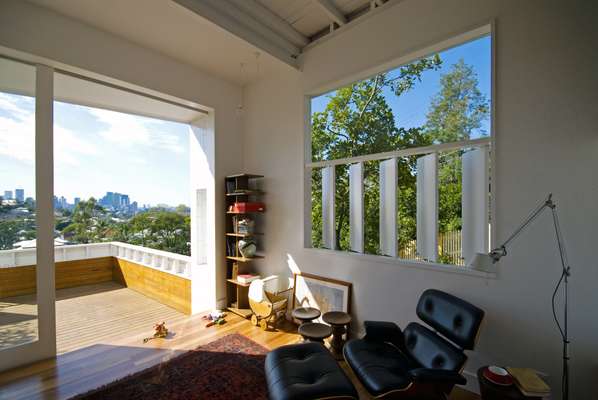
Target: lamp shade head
[[483, 262]]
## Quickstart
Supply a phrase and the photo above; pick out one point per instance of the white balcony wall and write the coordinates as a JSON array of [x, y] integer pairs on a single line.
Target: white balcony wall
[[165, 261]]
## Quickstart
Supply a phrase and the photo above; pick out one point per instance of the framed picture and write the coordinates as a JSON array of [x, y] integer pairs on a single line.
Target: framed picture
[[323, 293]]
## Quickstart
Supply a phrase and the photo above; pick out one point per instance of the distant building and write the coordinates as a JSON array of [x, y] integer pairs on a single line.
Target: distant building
[[116, 202], [8, 195], [31, 244], [20, 195], [30, 202], [124, 200], [77, 200]]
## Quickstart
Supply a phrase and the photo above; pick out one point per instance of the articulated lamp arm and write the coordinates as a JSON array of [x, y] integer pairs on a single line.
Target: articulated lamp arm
[[501, 251]]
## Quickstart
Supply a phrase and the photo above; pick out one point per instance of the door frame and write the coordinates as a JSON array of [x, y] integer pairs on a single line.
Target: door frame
[[45, 346]]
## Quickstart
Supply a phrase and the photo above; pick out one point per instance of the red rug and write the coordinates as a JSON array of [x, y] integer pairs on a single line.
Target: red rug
[[229, 368]]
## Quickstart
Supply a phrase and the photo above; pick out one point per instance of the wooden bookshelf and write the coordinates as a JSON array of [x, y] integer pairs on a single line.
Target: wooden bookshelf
[[244, 259], [239, 188], [236, 282], [242, 235]]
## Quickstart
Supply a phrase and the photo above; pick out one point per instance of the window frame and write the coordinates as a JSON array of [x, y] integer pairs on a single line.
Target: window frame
[[487, 29]]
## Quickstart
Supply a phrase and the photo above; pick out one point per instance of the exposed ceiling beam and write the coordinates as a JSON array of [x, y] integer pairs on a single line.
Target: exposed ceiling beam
[[331, 11], [230, 18], [272, 20]]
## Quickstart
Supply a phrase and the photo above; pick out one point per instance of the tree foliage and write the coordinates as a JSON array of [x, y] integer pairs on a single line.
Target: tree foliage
[[156, 228], [358, 120], [456, 112]]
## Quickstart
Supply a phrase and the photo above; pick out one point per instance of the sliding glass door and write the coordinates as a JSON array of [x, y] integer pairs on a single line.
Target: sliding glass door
[[27, 317]]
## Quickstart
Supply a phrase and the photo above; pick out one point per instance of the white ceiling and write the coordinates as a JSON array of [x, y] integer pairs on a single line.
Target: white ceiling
[[172, 30], [217, 36]]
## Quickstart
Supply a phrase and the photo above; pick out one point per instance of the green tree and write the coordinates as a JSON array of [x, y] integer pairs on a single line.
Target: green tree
[[85, 226], [456, 112], [161, 230], [459, 108], [15, 230], [358, 120]]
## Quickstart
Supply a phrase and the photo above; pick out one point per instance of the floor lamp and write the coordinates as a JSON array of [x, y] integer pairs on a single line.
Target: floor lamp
[[486, 262]]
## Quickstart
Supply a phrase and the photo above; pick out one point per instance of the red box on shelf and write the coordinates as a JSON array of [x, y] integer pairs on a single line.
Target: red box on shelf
[[250, 206]]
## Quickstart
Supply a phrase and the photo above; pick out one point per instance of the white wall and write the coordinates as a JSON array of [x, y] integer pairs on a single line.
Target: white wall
[[40, 32], [546, 141]]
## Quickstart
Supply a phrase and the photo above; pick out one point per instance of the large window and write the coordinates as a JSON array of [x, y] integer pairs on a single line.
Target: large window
[[400, 161], [18, 217], [119, 177]]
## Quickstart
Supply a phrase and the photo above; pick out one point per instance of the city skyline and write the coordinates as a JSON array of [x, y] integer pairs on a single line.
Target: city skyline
[[22, 197], [96, 150]]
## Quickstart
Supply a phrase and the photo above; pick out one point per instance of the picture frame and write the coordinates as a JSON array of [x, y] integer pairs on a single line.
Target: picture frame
[[325, 294]]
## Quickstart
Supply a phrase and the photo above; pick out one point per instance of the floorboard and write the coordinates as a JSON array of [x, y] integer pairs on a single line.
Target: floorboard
[[100, 339]]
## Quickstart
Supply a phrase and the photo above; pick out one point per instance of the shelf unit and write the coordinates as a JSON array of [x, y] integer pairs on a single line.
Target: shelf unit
[[239, 188]]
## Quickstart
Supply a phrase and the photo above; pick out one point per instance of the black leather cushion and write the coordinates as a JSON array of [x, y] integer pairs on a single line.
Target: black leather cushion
[[452, 317], [430, 350], [306, 371], [381, 367]]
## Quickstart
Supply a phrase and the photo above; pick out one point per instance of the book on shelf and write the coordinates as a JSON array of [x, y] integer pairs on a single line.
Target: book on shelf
[[528, 382], [247, 278]]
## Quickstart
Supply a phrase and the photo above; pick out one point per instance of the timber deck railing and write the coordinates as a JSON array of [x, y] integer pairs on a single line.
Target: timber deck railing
[[172, 263]]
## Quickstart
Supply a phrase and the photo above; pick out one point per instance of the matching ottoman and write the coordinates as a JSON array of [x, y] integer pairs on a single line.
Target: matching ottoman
[[306, 371]]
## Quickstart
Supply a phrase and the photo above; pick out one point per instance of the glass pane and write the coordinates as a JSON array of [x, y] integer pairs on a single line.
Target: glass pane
[[120, 175], [449, 207], [371, 207], [407, 208], [439, 99], [18, 296]]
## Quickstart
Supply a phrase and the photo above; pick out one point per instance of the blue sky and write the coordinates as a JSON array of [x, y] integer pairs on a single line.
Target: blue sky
[[410, 108], [96, 151]]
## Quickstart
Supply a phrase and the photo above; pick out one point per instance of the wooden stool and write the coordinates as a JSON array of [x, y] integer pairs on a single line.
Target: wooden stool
[[314, 332], [338, 320], [306, 314]]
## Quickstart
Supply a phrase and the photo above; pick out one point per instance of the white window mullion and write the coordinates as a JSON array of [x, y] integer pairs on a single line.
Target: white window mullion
[[44, 198], [474, 203], [328, 219], [427, 207], [356, 206], [388, 207]]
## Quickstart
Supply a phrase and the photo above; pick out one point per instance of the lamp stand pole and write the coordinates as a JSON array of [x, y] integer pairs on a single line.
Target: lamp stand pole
[[501, 251]]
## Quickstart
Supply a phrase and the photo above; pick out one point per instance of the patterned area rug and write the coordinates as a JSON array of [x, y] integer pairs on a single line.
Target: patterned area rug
[[229, 368]]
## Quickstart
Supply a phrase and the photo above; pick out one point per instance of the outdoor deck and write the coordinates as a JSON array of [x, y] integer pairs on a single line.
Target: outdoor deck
[[85, 316]]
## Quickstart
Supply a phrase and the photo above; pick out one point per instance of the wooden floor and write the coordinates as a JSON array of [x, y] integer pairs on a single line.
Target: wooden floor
[[85, 315], [101, 355]]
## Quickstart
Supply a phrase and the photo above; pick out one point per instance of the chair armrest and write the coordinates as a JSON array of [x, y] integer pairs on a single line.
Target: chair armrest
[[431, 375], [382, 331]]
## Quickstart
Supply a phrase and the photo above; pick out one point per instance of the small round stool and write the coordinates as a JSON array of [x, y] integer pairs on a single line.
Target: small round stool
[[314, 332], [338, 320], [306, 314]]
